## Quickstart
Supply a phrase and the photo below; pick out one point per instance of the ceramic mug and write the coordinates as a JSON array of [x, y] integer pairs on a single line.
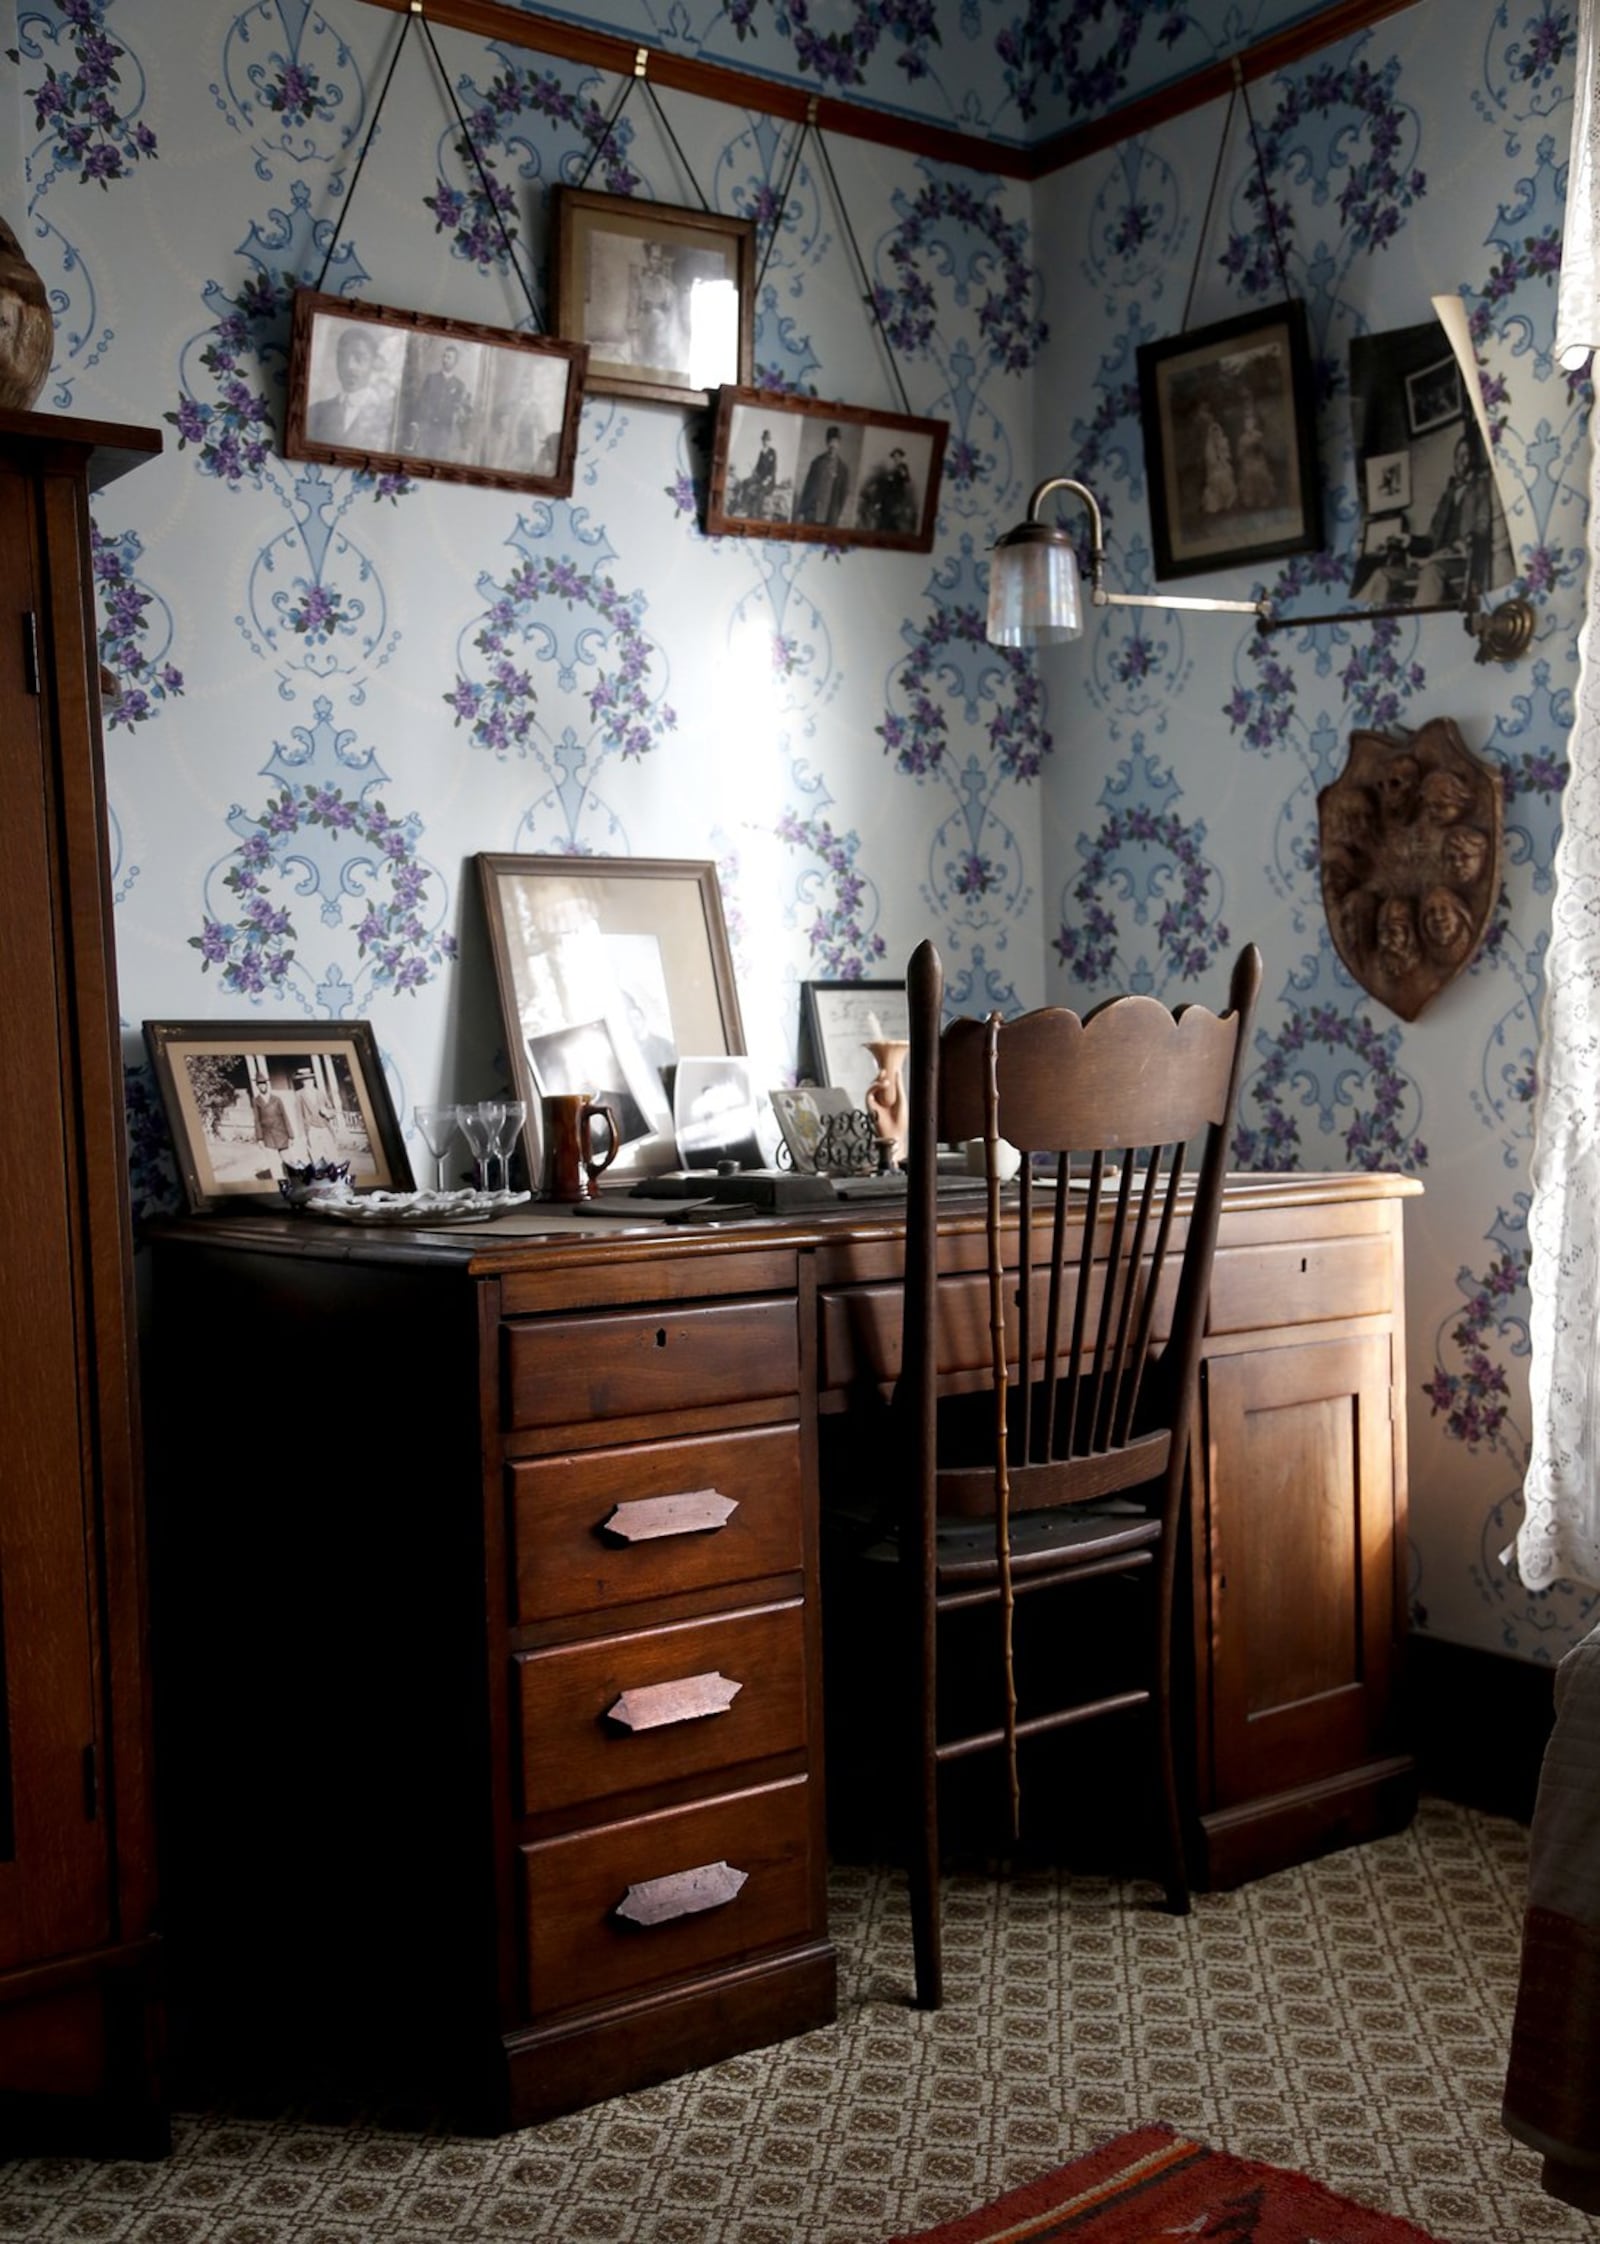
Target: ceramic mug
[[571, 1164]]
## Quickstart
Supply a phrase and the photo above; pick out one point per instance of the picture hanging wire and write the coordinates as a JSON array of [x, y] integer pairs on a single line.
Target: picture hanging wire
[[641, 77], [1238, 92], [413, 15], [868, 293]]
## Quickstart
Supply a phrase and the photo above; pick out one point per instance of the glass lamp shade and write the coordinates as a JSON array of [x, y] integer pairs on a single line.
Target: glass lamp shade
[[1035, 596]]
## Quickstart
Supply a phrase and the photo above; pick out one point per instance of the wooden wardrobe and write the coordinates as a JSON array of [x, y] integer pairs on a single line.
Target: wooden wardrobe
[[80, 2009]]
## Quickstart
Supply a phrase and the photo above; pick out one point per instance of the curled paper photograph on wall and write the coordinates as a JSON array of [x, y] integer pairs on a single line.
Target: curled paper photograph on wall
[[1433, 531]]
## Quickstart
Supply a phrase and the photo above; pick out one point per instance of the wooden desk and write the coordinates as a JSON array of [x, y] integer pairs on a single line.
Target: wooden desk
[[413, 1744]]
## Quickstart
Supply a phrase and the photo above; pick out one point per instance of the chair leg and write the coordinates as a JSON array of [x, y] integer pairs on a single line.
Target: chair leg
[[926, 1944], [1176, 1878]]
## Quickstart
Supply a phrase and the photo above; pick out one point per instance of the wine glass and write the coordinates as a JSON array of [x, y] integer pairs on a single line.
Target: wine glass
[[480, 1126], [513, 1114], [436, 1126]]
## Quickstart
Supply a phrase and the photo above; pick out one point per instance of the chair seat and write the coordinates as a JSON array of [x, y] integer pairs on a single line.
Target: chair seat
[[1043, 1542]]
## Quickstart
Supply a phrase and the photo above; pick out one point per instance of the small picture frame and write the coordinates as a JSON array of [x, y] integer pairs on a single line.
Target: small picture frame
[[1230, 443], [1388, 482], [800, 468], [716, 1111], [1433, 395], [610, 971], [804, 1111], [662, 299], [838, 1020], [405, 394], [246, 1099]]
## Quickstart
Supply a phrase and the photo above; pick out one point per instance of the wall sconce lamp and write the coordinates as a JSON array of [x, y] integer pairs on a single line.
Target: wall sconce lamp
[[1035, 595]]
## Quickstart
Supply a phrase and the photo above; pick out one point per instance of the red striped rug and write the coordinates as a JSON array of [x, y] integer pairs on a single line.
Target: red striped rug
[[1157, 2183]]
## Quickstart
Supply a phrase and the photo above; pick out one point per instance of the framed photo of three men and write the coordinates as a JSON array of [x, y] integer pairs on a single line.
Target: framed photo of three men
[[404, 394], [800, 468]]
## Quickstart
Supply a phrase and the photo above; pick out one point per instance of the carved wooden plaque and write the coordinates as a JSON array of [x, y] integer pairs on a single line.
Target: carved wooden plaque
[[1410, 845]]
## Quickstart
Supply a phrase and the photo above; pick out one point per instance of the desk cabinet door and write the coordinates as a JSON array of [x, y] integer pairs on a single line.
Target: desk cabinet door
[[1302, 1535]]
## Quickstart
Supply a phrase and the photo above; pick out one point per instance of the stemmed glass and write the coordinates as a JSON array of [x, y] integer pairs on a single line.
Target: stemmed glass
[[480, 1126], [513, 1113], [436, 1126]]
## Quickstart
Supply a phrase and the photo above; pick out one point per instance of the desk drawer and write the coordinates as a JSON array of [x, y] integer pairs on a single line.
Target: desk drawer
[[568, 1561], [580, 1950], [568, 1371], [1299, 1283], [703, 1696], [860, 1326]]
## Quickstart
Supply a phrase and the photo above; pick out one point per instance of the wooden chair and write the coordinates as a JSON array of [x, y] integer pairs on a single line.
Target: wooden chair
[[1071, 1478]]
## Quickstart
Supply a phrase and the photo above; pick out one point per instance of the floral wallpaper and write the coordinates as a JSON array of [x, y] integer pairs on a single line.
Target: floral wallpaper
[[1401, 164], [337, 690]]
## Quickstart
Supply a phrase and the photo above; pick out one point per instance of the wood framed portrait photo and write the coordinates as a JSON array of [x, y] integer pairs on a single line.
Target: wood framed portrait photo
[[662, 298], [246, 1099], [800, 468], [402, 393], [610, 971], [1230, 443]]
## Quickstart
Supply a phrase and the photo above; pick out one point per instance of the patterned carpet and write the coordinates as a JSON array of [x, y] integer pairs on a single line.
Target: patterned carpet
[[1349, 2018]]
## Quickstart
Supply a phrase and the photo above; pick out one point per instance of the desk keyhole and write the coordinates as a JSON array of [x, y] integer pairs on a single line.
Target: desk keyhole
[[661, 1337], [1303, 1266]]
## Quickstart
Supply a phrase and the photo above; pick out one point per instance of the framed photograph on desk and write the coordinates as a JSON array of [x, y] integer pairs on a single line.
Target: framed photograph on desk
[[837, 1020], [610, 970], [245, 1100]]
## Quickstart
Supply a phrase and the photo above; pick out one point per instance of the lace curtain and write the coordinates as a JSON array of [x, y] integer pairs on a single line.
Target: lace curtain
[[1560, 1534]]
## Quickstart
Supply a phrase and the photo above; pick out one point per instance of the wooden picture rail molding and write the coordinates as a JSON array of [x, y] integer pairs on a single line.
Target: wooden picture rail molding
[[743, 89]]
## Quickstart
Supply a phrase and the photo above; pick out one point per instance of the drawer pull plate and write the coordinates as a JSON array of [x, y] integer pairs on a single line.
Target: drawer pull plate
[[657, 1901], [687, 1699], [695, 1511]]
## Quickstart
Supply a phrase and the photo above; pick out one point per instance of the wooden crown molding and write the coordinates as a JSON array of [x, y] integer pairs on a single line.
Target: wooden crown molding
[[855, 120]]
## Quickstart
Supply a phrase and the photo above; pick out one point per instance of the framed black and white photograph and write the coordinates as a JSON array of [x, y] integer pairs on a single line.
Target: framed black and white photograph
[[610, 970], [800, 468], [1229, 420], [717, 1112], [246, 1100], [1388, 482], [838, 1020], [1433, 394], [662, 298], [404, 394]]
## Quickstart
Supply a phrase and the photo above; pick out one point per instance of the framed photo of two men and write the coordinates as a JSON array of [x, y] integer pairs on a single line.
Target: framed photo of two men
[[405, 394], [800, 468]]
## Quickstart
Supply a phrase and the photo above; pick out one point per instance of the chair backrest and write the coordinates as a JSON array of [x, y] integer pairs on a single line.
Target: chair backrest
[[1111, 1113]]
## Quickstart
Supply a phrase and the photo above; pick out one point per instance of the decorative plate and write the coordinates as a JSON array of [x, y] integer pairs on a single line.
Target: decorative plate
[[411, 1207]]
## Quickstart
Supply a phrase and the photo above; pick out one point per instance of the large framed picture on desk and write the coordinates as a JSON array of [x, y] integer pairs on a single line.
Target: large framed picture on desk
[[610, 970]]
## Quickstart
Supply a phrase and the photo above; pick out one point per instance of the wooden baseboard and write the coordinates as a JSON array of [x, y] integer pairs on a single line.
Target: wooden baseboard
[[1479, 1723]]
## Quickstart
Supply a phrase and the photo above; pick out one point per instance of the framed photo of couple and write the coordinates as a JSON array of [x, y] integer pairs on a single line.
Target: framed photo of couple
[[800, 468], [401, 393], [1229, 419], [243, 1098]]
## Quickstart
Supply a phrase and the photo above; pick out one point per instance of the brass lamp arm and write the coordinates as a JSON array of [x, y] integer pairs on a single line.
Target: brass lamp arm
[[1099, 597]]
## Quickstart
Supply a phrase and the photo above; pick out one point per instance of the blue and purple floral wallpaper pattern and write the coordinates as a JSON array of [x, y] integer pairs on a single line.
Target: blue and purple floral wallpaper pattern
[[336, 690], [1399, 165]]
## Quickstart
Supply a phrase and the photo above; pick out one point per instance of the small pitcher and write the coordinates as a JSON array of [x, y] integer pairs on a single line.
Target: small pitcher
[[571, 1164]]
